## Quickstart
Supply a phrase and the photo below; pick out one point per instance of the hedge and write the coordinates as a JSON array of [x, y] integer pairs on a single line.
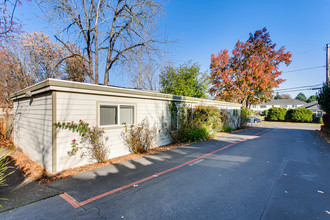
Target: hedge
[[276, 114], [300, 115]]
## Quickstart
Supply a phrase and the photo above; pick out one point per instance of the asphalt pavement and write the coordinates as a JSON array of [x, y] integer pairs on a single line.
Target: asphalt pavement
[[268, 172]]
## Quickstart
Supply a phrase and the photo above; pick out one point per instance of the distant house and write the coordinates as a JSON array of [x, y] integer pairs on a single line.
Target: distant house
[[314, 106], [37, 107], [281, 103]]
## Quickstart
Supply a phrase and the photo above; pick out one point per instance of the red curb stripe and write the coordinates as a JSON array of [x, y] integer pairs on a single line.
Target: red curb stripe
[[77, 204], [70, 200]]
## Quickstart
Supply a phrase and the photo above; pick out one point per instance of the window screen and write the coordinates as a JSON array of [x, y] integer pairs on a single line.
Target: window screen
[[108, 115], [127, 115]]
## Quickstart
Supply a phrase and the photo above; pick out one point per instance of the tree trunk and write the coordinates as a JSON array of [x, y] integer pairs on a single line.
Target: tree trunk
[[96, 57]]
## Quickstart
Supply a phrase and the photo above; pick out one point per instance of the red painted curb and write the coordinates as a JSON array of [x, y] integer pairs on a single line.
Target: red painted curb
[[77, 204]]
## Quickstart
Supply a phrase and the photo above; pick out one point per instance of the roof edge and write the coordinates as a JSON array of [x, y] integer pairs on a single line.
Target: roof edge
[[101, 88]]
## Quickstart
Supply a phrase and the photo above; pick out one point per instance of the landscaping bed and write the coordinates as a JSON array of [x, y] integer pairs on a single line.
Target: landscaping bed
[[34, 172]]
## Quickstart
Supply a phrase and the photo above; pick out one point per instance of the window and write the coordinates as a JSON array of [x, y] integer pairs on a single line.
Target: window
[[116, 114], [263, 106], [108, 115], [127, 115]]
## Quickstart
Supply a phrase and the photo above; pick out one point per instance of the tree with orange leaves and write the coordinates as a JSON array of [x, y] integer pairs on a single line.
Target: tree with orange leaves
[[250, 74]]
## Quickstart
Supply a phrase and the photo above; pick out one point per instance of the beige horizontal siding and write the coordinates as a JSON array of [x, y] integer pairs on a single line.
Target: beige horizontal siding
[[33, 128], [74, 106]]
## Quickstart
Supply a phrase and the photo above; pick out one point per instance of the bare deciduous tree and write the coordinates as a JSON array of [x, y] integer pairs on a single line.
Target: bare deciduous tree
[[76, 66], [8, 22], [143, 72], [114, 29], [41, 56], [12, 76]]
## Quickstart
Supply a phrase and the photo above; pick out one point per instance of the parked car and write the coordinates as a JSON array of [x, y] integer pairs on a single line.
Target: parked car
[[254, 120]]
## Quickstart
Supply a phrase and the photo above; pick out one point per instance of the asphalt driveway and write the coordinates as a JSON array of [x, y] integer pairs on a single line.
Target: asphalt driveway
[[266, 172]]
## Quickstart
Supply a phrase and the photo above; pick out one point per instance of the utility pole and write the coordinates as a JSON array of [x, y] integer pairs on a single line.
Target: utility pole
[[327, 65]]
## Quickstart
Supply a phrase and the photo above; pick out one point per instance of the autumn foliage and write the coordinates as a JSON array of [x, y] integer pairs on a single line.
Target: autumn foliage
[[31, 58], [249, 75]]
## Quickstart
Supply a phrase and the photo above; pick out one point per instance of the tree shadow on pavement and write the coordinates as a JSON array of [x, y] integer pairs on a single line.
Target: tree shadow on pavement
[[21, 191], [101, 180]]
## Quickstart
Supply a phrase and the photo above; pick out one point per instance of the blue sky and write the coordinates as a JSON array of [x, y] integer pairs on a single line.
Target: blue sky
[[205, 27]]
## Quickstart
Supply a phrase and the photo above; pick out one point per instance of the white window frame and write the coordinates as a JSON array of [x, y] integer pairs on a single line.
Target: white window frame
[[118, 114]]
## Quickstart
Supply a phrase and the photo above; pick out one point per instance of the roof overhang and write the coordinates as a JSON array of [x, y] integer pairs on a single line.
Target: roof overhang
[[77, 87]]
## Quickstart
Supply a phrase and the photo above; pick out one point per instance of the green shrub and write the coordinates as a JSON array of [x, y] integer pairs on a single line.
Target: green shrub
[[195, 124], [227, 128], [300, 115], [245, 112], [276, 114], [208, 116], [323, 98], [318, 120], [139, 138], [264, 113], [194, 133], [4, 162]]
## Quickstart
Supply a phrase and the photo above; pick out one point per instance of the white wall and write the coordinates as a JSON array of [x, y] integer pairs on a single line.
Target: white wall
[[76, 106], [33, 128], [33, 124]]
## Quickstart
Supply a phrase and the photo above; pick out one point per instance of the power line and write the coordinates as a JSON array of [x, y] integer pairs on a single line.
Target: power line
[[298, 90], [310, 68], [300, 87], [308, 51]]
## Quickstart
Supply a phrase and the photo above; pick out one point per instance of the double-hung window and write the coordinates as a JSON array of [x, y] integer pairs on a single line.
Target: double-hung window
[[110, 115]]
